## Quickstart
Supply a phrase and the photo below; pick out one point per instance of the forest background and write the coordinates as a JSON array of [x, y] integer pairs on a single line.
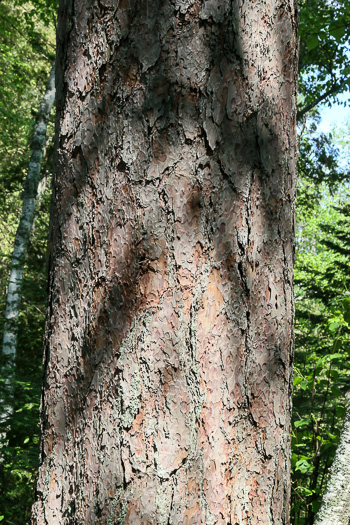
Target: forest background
[[322, 277]]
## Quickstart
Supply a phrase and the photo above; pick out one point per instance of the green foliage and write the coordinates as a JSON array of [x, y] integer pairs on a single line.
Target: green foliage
[[322, 314], [324, 59], [322, 327], [20, 453], [26, 52]]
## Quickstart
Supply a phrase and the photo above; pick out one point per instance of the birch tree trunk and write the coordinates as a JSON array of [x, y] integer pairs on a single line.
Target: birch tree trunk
[[335, 507], [13, 298], [167, 389]]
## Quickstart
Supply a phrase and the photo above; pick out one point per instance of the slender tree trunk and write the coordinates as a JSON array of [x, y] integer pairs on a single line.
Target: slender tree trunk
[[335, 507], [167, 388], [13, 298]]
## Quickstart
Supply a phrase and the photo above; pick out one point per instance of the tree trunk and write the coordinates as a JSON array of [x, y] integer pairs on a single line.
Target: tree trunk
[[13, 298], [167, 388], [335, 507]]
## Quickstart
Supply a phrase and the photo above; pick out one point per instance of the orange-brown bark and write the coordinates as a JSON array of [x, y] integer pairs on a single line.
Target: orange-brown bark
[[169, 333]]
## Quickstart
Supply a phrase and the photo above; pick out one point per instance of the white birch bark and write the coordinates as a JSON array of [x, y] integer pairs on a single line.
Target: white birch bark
[[9, 344], [335, 507]]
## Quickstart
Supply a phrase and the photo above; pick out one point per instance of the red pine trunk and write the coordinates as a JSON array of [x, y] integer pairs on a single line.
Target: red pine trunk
[[169, 340]]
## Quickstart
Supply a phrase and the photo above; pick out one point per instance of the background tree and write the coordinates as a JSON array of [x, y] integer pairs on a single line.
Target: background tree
[[335, 507], [27, 48], [19, 255]]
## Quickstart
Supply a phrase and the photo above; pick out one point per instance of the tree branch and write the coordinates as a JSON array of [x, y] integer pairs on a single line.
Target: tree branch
[[331, 91]]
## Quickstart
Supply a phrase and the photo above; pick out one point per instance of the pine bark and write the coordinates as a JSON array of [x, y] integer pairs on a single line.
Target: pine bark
[[335, 507], [167, 390], [30, 190]]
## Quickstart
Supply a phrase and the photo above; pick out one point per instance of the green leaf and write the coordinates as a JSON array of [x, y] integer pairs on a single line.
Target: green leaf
[[303, 466], [302, 422], [306, 491], [338, 32], [336, 391], [304, 384], [297, 381], [334, 326], [312, 42], [336, 356]]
